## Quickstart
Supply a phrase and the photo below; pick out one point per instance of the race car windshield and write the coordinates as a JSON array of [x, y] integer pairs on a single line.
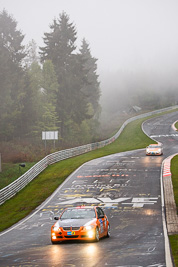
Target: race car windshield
[[78, 214]]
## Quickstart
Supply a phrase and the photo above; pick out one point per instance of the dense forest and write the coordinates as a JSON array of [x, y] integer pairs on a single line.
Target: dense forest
[[55, 89]]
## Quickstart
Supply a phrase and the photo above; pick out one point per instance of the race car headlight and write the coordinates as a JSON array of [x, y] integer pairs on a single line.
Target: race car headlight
[[88, 227], [56, 228], [90, 234], [53, 236]]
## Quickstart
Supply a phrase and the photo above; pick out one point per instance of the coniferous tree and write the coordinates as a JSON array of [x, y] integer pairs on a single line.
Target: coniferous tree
[[11, 73], [60, 44], [48, 97], [91, 88], [31, 54], [31, 101], [49, 81], [91, 91], [62, 93], [71, 105], [39, 110]]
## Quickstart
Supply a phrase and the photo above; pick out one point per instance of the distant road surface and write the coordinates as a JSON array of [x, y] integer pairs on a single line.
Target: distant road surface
[[127, 186]]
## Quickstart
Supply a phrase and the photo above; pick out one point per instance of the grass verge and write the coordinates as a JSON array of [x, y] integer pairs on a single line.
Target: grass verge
[[174, 248], [176, 125], [174, 238], [11, 172], [174, 171]]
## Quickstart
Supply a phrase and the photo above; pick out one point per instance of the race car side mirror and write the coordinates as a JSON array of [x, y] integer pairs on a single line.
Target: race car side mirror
[[56, 218]]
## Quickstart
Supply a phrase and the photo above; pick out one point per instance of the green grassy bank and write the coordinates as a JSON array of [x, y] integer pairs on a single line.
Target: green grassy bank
[[174, 171], [174, 238], [176, 125], [11, 172]]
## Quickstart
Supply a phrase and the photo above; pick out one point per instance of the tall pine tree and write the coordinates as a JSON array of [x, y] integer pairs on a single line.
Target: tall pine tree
[[71, 105], [48, 97], [91, 88], [11, 73], [31, 54], [31, 101]]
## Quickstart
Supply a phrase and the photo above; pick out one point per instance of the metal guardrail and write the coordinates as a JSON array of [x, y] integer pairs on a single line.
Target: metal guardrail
[[10, 190]]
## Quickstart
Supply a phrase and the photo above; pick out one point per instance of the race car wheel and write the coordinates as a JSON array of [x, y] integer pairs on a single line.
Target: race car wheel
[[97, 236], [108, 232]]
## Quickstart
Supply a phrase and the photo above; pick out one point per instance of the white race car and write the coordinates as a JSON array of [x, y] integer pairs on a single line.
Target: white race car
[[154, 149]]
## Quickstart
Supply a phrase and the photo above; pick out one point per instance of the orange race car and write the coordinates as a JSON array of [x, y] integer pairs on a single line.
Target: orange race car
[[80, 223], [154, 149]]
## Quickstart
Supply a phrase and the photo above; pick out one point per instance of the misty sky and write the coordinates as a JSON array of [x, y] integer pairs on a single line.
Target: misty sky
[[123, 34]]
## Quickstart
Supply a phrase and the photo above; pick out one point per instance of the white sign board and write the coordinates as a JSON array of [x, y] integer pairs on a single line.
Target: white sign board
[[50, 135]]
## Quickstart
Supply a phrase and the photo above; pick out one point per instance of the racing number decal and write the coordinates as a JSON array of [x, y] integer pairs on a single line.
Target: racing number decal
[[102, 220], [101, 225]]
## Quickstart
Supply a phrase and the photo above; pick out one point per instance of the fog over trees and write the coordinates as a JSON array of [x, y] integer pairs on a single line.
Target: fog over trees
[[57, 86], [121, 90], [55, 90]]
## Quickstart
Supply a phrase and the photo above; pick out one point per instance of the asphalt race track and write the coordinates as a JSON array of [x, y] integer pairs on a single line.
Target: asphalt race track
[[127, 186]]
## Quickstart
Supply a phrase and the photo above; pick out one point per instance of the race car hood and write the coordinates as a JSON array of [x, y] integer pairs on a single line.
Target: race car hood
[[75, 222]]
